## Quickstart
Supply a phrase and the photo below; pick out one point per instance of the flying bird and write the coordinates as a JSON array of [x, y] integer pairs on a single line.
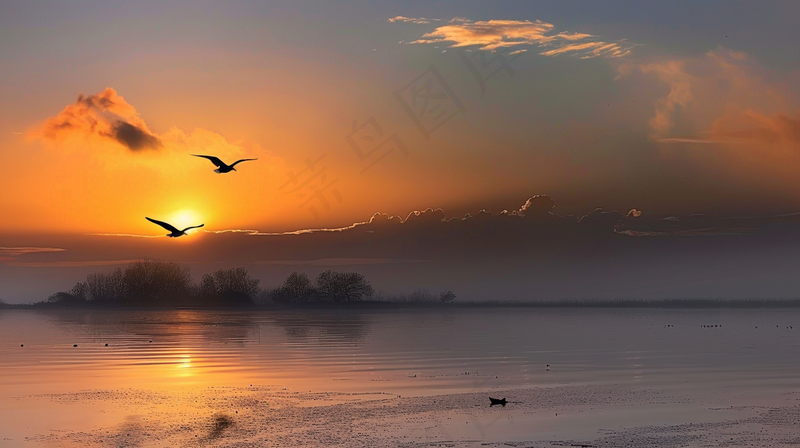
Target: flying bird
[[222, 167], [175, 232]]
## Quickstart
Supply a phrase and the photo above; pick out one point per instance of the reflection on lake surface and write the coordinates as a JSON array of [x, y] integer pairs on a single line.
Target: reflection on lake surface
[[224, 377]]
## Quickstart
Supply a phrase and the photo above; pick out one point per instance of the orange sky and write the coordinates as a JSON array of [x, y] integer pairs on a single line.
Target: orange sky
[[589, 114], [672, 108]]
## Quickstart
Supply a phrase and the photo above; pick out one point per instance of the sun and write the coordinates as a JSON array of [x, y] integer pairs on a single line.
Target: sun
[[185, 218]]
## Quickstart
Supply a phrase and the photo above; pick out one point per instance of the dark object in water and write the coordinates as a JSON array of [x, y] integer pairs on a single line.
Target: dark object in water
[[495, 401], [219, 425]]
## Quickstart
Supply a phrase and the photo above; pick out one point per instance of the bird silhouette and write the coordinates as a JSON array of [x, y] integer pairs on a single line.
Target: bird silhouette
[[174, 231], [222, 167]]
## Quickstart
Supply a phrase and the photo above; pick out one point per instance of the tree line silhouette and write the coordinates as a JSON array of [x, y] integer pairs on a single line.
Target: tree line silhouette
[[159, 283]]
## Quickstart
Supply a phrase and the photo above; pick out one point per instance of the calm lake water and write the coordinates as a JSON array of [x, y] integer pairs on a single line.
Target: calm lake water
[[399, 377]]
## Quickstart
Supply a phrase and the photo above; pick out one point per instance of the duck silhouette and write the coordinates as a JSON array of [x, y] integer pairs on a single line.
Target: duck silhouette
[[500, 401]]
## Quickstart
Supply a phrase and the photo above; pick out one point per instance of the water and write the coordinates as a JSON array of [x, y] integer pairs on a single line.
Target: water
[[390, 377]]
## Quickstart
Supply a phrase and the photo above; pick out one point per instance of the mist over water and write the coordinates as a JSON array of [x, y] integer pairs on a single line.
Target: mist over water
[[56, 365]]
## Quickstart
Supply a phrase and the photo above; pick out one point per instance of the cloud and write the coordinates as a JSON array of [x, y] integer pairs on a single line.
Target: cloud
[[72, 264], [420, 236], [418, 21], [106, 120], [696, 225], [104, 116], [587, 50], [131, 235], [634, 213], [533, 231], [751, 126], [428, 216], [481, 257], [338, 262], [722, 97], [689, 232], [134, 138], [497, 34], [537, 205], [601, 219], [22, 250], [672, 73], [692, 140]]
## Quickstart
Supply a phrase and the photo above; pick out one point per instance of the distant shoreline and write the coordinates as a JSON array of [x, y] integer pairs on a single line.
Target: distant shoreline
[[597, 304]]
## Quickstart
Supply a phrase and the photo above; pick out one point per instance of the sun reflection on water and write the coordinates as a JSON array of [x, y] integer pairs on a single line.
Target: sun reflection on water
[[184, 364]]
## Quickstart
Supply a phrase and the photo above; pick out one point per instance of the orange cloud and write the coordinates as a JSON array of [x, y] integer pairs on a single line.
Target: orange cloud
[[721, 97], [97, 179], [107, 118], [496, 34], [751, 126], [418, 20], [589, 50], [673, 74], [104, 116]]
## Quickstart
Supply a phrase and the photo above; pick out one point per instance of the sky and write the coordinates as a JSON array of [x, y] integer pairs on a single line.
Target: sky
[[674, 109]]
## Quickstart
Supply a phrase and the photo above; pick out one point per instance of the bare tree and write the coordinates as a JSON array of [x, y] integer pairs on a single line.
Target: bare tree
[[106, 288], [152, 282], [343, 286], [295, 289], [229, 287]]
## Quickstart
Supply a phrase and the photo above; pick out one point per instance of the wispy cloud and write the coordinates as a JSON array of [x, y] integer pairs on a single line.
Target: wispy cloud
[[587, 50], [697, 141], [245, 231], [105, 116], [686, 232], [338, 261], [71, 264], [674, 74], [304, 231], [752, 126], [498, 34], [132, 235], [417, 20], [22, 250]]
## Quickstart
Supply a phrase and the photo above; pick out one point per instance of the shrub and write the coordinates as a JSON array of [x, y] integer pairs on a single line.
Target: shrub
[[447, 296], [76, 295]]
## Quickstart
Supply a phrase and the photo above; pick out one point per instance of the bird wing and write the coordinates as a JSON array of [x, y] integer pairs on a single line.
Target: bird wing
[[239, 161], [193, 227], [163, 224], [215, 160]]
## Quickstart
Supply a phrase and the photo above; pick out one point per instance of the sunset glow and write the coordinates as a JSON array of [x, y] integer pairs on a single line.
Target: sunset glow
[[380, 223]]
